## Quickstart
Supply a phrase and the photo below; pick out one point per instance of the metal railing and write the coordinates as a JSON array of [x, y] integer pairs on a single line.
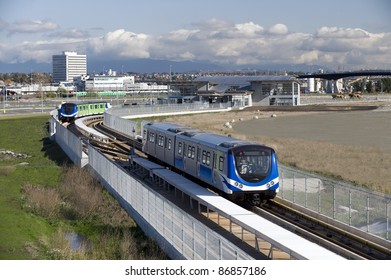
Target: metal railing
[[352, 205], [168, 108]]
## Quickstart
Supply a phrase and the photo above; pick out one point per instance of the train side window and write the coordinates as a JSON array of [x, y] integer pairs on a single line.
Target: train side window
[[203, 157], [208, 158], [161, 141], [221, 163], [193, 152], [180, 148], [152, 137], [169, 144], [189, 151]]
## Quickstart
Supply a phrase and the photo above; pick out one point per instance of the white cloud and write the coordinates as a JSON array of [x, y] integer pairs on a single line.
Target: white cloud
[[120, 44], [337, 32], [217, 41], [251, 29], [31, 26], [40, 51], [279, 29], [72, 33]]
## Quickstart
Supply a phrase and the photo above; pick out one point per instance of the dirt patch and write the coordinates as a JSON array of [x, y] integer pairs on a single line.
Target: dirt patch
[[356, 128]]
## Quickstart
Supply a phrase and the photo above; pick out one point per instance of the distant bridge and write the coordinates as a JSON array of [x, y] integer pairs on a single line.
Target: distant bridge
[[339, 75], [333, 77]]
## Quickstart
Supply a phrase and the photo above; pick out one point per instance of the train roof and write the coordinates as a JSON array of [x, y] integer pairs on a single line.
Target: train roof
[[172, 127], [206, 138], [219, 140], [84, 102]]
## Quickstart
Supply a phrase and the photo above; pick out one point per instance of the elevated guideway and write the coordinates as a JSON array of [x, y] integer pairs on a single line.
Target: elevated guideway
[[183, 236], [80, 123], [258, 230]]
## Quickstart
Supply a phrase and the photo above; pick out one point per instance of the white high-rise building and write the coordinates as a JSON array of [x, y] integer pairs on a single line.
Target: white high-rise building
[[68, 65]]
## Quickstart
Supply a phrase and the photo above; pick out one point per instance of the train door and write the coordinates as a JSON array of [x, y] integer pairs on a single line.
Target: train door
[[151, 143], [198, 161], [218, 169], [179, 150], [144, 139], [214, 167], [206, 165], [160, 146], [169, 149], [190, 159]]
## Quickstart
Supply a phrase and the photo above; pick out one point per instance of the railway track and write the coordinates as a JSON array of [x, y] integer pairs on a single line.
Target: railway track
[[334, 238]]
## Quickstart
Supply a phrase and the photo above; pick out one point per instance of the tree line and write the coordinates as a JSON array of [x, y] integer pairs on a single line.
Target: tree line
[[23, 78], [382, 85]]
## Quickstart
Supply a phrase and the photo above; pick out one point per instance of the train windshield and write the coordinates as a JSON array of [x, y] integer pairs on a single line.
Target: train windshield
[[253, 163], [68, 108]]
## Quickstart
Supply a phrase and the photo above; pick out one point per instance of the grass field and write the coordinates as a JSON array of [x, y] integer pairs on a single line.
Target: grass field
[[19, 227], [44, 200]]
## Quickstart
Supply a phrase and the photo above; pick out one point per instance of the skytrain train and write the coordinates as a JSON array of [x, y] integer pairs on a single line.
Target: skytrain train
[[238, 170], [67, 112]]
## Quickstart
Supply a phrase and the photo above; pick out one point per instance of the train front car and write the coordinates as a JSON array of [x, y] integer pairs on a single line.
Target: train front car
[[67, 112], [252, 173]]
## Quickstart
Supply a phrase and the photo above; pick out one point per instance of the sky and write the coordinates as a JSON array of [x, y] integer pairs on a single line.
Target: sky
[[338, 34]]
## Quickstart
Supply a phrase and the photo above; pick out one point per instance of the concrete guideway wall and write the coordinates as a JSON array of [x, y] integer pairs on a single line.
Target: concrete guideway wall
[[69, 143], [120, 124], [181, 235]]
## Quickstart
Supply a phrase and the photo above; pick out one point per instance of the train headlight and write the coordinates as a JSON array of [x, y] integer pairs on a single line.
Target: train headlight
[[268, 185], [272, 183], [236, 184], [240, 186]]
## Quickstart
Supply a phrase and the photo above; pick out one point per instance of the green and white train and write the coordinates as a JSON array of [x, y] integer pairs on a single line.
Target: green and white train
[[68, 112]]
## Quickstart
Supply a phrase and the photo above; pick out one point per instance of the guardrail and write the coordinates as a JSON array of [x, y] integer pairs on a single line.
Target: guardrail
[[356, 207]]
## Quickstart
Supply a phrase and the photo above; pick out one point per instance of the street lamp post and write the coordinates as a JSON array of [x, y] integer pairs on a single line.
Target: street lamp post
[[40, 89], [5, 97], [134, 144]]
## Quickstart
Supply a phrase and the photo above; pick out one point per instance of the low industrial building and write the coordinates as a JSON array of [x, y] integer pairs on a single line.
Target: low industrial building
[[243, 91]]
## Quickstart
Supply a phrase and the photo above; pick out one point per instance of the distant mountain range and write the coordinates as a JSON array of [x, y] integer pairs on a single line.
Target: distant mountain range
[[158, 66]]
